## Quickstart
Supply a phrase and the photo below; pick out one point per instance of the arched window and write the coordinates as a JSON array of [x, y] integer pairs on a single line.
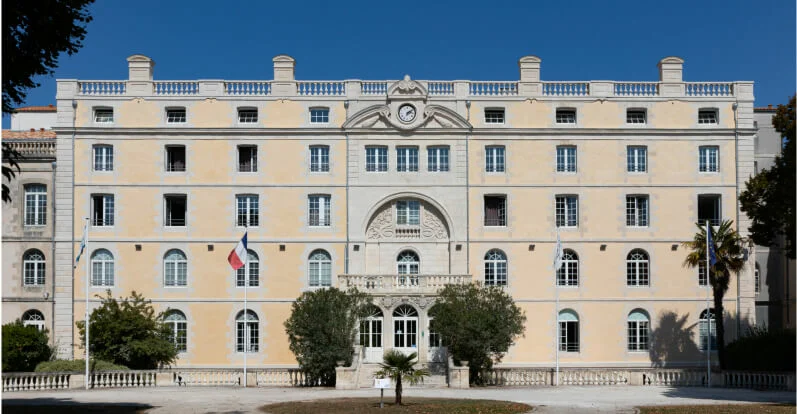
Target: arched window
[[102, 273], [320, 268], [495, 268], [33, 268], [178, 325], [408, 263], [567, 275], [175, 268], [637, 265], [33, 318], [638, 330], [568, 331], [247, 332], [708, 329], [253, 267], [757, 279], [405, 327]]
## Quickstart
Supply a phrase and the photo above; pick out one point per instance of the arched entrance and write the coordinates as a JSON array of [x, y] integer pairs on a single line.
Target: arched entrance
[[405, 329], [371, 335]]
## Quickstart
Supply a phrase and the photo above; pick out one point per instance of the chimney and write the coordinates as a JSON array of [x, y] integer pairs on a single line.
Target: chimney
[[671, 69], [284, 68], [140, 68], [529, 84]]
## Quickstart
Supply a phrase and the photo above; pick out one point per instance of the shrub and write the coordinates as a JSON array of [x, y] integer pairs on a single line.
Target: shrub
[[24, 347], [78, 365], [763, 350]]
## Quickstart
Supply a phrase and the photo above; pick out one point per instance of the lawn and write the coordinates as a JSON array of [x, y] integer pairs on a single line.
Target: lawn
[[411, 406], [720, 409]]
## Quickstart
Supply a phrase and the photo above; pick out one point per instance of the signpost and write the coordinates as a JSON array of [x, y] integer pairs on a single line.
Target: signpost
[[381, 383]]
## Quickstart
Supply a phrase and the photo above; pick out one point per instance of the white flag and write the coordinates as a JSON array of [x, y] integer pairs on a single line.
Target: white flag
[[557, 260], [83, 242]]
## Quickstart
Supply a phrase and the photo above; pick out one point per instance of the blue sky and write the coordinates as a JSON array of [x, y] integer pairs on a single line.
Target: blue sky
[[584, 40]]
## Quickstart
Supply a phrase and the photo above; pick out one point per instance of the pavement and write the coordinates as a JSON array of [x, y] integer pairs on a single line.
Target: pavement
[[230, 400]]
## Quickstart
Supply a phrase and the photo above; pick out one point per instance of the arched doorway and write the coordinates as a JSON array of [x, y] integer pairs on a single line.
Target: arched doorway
[[371, 335], [405, 329]]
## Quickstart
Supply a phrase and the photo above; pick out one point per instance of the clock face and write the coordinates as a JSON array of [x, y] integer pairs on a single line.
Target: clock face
[[406, 113]]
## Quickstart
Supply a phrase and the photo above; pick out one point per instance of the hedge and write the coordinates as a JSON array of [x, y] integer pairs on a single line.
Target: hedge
[[78, 365]]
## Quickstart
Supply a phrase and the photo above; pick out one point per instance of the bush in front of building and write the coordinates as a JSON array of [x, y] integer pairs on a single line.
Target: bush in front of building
[[24, 347], [763, 350], [478, 324], [78, 365], [322, 330]]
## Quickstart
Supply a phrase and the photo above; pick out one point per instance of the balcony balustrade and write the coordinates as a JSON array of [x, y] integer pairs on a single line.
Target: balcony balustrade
[[401, 284]]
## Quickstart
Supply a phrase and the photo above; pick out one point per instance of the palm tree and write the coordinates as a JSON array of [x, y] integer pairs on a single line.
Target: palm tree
[[398, 367], [729, 248]]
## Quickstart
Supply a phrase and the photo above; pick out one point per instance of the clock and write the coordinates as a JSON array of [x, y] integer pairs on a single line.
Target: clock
[[406, 113]]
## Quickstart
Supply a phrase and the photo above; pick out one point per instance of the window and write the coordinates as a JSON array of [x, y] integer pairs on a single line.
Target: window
[[708, 329], [568, 331], [567, 275], [494, 157], [175, 269], [566, 116], [407, 159], [247, 336], [247, 115], [33, 268], [566, 211], [495, 268], [565, 158], [495, 210], [408, 265], [33, 318], [102, 273], [175, 116], [635, 116], [371, 328], [637, 159], [494, 116], [707, 116], [103, 158], [178, 327], [252, 267], [103, 115], [637, 265], [636, 211], [320, 269], [405, 327], [248, 210], [702, 274], [247, 158], [709, 207], [175, 206], [437, 159], [757, 279], [319, 158], [638, 331], [319, 210], [35, 205], [709, 159], [408, 213], [376, 159], [102, 210], [175, 158], [319, 115]]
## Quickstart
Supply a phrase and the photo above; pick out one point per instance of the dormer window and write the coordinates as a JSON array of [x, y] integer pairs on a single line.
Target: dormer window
[[175, 115], [247, 115], [103, 115]]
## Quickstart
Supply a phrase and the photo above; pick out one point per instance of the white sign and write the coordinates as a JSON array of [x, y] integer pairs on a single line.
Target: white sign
[[381, 382]]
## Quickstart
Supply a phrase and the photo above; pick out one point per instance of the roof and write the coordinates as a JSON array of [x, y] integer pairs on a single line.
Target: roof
[[47, 108], [767, 108], [32, 133]]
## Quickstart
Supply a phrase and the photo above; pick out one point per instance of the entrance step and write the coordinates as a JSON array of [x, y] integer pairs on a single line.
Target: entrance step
[[367, 371]]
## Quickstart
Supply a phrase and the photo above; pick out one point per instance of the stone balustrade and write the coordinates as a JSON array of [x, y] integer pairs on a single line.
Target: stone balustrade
[[518, 377], [674, 378], [176, 88], [122, 379], [207, 377], [33, 147], [758, 380], [413, 284], [31, 381]]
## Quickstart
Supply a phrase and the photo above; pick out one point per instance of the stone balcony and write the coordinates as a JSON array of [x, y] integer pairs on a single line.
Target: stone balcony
[[401, 284]]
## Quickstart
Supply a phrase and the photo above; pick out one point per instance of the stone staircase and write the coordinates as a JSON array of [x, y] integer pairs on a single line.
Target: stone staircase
[[367, 371]]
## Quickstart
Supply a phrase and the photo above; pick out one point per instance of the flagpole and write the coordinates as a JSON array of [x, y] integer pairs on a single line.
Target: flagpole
[[556, 306], [709, 240], [247, 333], [88, 281]]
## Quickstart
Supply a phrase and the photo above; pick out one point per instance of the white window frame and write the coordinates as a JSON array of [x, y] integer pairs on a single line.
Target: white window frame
[[103, 118], [567, 159], [170, 165], [407, 159], [247, 208], [568, 321], [244, 117], [34, 268], [702, 274], [35, 205], [437, 159], [175, 269], [495, 268], [495, 159], [173, 116], [102, 157], [376, 158], [566, 208], [319, 158], [717, 209], [319, 115], [637, 210], [709, 159], [563, 118], [494, 116], [253, 150], [638, 331], [707, 119], [167, 220], [250, 271], [33, 317], [757, 279], [106, 276], [247, 332], [629, 120], [711, 325], [408, 267], [567, 276], [503, 214], [408, 213], [177, 323], [637, 268], [319, 210], [319, 269], [636, 159], [108, 210]]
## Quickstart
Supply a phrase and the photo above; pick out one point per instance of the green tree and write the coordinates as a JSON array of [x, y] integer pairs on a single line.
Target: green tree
[[10, 162], [769, 196], [322, 330], [128, 332], [24, 347], [478, 324], [399, 367], [729, 248]]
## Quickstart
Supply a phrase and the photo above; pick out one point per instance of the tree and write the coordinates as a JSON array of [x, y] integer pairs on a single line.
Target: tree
[[729, 248], [769, 196], [24, 347], [398, 367], [10, 157], [128, 332], [478, 324], [322, 330]]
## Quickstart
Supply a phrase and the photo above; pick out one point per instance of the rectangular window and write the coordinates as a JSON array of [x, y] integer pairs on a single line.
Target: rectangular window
[[638, 339], [102, 210], [253, 265], [637, 159], [175, 116], [248, 210], [319, 115], [408, 213], [495, 210], [568, 336], [707, 116], [494, 157], [702, 275], [35, 205], [566, 116], [175, 272], [635, 116], [566, 211], [376, 159], [175, 158], [103, 158], [319, 210], [709, 159], [437, 159], [566, 158], [708, 330], [319, 158], [103, 116], [175, 208], [247, 116], [247, 158], [494, 116], [636, 211], [709, 207], [407, 159]]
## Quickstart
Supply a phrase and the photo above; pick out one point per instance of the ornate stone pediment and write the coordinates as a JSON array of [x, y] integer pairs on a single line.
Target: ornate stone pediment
[[382, 117], [406, 87], [383, 225]]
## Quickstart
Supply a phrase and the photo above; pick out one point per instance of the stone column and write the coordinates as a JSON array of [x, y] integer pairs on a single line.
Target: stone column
[[745, 168], [671, 77]]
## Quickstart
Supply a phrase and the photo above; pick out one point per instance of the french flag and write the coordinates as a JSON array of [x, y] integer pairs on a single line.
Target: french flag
[[237, 256]]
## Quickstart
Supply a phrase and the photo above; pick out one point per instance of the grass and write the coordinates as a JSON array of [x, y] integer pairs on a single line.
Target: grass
[[410, 406], [720, 409]]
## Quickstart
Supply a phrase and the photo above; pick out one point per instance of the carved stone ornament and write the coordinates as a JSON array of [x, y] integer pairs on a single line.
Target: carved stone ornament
[[382, 226], [421, 301], [380, 116], [407, 86], [388, 301], [431, 226]]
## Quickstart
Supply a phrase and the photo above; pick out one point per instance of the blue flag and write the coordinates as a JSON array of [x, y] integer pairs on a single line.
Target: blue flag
[[83, 242], [712, 253]]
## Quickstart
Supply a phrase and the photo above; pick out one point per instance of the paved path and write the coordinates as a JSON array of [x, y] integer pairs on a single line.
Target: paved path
[[238, 400]]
